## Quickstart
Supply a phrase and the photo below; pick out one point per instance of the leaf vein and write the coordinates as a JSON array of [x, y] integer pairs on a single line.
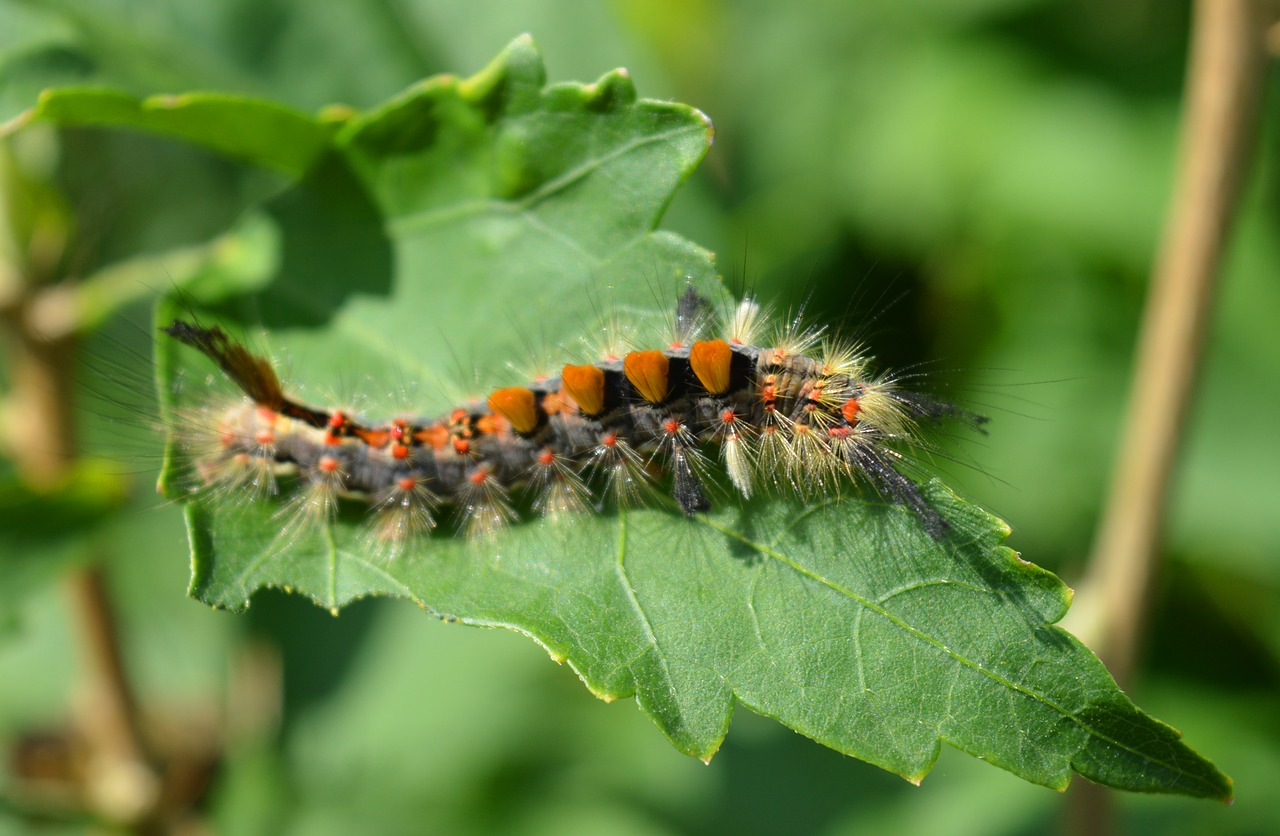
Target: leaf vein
[[920, 635]]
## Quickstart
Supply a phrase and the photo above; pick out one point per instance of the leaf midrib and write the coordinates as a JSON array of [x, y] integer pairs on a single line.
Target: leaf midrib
[[920, 635]]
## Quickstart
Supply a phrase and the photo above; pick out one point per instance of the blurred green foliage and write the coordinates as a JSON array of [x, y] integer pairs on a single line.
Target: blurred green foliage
[[997, 167]]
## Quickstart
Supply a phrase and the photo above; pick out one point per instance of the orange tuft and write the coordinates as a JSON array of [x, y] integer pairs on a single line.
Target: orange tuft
[[648, 372], [518, 406], [585, 385], [710, 361], [850, 410]]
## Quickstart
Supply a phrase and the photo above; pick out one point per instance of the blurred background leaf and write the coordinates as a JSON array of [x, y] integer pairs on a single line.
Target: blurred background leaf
[[997, 167]]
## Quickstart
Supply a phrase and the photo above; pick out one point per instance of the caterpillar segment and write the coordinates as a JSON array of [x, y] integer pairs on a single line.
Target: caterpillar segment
[[774, 416]]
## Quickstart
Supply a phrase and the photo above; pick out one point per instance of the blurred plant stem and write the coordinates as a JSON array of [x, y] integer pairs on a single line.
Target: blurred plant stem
[[1223, 97], [37, 317]]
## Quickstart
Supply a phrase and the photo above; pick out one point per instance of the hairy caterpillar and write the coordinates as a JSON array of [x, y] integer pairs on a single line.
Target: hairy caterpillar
[[797, 413]]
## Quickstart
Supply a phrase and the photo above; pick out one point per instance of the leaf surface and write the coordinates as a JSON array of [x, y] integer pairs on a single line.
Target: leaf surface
[[469, 222]]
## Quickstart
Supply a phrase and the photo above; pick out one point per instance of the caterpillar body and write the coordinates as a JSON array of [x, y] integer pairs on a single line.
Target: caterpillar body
[[778, 416]]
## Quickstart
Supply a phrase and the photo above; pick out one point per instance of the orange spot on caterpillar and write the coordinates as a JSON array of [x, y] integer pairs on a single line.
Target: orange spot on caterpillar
[[546, 458], [377, 438], [728, 416], [850, 410], [437, 435], [710, 361], [491, 424], [648, 372], [327, 464], [264, 437], [585, 384], [459, 417], [555, 403], [407, 483], [671, 427], [478, 476], [518, 406], [461, 446]]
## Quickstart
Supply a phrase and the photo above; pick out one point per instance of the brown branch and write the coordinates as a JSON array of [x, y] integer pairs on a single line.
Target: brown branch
[[1225, 78], [1224, 86], [40, 355]]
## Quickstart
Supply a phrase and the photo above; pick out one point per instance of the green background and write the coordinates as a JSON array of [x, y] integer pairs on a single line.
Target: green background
[[985, 178]]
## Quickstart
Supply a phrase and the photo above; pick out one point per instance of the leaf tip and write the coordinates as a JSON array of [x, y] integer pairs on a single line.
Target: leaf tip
[[613, 90], [166, 101], [706, 121], [337, 113]]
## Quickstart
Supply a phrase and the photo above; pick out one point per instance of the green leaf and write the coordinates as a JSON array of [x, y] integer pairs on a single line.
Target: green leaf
[[256, 131], [417, 238]]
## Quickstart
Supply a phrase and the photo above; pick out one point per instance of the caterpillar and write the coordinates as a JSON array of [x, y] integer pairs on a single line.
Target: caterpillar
[[800, 413]]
